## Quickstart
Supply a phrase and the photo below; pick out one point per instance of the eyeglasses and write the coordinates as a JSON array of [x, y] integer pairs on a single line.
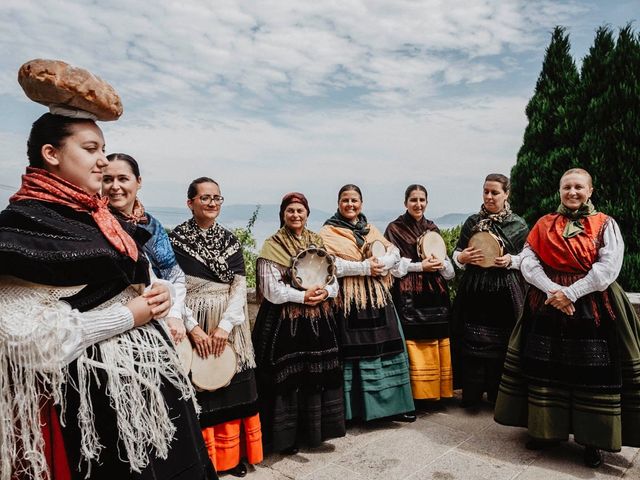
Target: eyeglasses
[[219, 200]]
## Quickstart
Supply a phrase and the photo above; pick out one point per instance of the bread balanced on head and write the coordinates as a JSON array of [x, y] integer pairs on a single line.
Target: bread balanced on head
[[69, 90]]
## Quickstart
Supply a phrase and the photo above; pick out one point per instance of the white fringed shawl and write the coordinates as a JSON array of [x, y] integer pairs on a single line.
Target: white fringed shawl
[[33, 367], [207, 301]]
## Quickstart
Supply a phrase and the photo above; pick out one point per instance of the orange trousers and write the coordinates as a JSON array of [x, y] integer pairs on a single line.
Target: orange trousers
[[228, 442]]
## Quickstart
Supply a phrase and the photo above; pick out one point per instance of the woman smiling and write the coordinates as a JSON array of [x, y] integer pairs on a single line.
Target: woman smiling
[[421, 296], [376, 371], [574, 357], [489, 299]]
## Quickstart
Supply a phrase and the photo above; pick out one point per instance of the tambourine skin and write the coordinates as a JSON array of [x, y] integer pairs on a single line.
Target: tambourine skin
[[313, 266], [374, 249], [431, 243], [185, 354], [491, 246], [212, 373]]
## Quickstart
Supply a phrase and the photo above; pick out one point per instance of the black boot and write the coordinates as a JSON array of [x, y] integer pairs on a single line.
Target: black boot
[[592, 457], [239, 470], [407, 417]]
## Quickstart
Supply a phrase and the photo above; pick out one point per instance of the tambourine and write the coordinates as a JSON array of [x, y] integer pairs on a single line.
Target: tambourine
[[313, 266], [212, 373], [375, 249], [431, 244], [185, 354], [490, 245]]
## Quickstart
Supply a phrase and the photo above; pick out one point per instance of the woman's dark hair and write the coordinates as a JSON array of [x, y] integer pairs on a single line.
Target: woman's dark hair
[[49, 129], [192, 191], [411, 188], [135, 168], [501, 179], [350, 187]]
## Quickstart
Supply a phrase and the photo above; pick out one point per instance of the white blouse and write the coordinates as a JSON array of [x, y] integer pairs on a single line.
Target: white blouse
[[602, 274], [515, 261], [406, 265], [277, 292], [233, 314], [348, 268]]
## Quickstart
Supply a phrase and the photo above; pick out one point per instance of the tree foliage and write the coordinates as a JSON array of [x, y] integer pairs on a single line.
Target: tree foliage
[[549, 139], [248, 242]]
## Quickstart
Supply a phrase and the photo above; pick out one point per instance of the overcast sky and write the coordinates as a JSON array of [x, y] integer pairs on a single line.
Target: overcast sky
[[273, 96]]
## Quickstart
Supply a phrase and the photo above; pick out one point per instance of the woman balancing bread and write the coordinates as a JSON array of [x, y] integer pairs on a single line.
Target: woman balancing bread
[[421, 297], [299, 372], [376, 371], [490, 294], [216, 316], [573, 364], [121, 182], [78, 342]]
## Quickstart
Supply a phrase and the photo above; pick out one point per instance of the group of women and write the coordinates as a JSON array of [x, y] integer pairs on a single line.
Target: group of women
[[94, 297]]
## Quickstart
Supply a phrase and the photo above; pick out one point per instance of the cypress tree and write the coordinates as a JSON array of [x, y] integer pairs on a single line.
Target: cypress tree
[[550, 138], [610, 145]]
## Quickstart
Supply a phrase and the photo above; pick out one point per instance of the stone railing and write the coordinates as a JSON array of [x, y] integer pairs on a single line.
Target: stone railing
[[253, 303]]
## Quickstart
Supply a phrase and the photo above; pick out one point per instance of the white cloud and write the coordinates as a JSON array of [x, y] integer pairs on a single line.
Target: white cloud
[[270, 96], [171, 51]]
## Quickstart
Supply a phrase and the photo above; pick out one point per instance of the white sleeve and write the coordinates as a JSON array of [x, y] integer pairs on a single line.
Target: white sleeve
[[58, 332], [190, 321], [278, 292], [172, 289], [448, 272], [404, 266], [234, 313], [347, 268], [605, 270], [95, 326], [516, 260], [533, 272], [179, 282], [456, 254], [332, 288], [391, 258]]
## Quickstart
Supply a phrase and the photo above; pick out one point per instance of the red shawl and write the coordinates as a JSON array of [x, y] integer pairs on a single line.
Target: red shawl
[[39, 184]]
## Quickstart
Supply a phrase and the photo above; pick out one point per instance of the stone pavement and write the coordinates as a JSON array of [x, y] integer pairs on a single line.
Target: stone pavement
[[445, 443]]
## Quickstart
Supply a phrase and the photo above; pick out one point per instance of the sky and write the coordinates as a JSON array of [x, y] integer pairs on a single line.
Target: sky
[[271, 96]]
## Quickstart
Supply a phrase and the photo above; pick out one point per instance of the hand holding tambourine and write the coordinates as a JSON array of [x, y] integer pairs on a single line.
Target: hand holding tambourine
[[315, 295], [432, 264]]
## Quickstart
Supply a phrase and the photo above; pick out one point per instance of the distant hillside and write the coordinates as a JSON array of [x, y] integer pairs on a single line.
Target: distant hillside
[[238, 215], [451, 219]]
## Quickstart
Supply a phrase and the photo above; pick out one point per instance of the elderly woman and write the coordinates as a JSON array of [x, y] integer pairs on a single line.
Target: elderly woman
[[421, 296], [376, 371], [299, 373], [211, 256], [77, 331], [121, 181], [574, 356], [489, 300]]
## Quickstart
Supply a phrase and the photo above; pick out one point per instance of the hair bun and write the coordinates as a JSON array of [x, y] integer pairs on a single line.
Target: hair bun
[[69, 90]]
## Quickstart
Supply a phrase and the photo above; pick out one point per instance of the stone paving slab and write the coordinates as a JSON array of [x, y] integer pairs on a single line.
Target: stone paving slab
[[445, 443]]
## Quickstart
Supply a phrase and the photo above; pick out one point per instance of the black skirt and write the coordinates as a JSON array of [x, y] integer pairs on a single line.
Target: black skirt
[[299, 378], [187, 459]]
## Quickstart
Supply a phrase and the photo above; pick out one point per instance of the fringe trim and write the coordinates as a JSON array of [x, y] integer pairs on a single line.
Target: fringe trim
[[537, 297], [363, 291], [33, 368], [415, 282], [208, 301]]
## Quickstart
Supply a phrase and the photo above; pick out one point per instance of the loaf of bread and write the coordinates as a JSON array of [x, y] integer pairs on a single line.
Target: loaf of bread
[[57, 84]]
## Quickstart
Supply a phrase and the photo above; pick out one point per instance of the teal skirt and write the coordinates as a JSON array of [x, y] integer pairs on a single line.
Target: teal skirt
[[377, 388], [551, 411]]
